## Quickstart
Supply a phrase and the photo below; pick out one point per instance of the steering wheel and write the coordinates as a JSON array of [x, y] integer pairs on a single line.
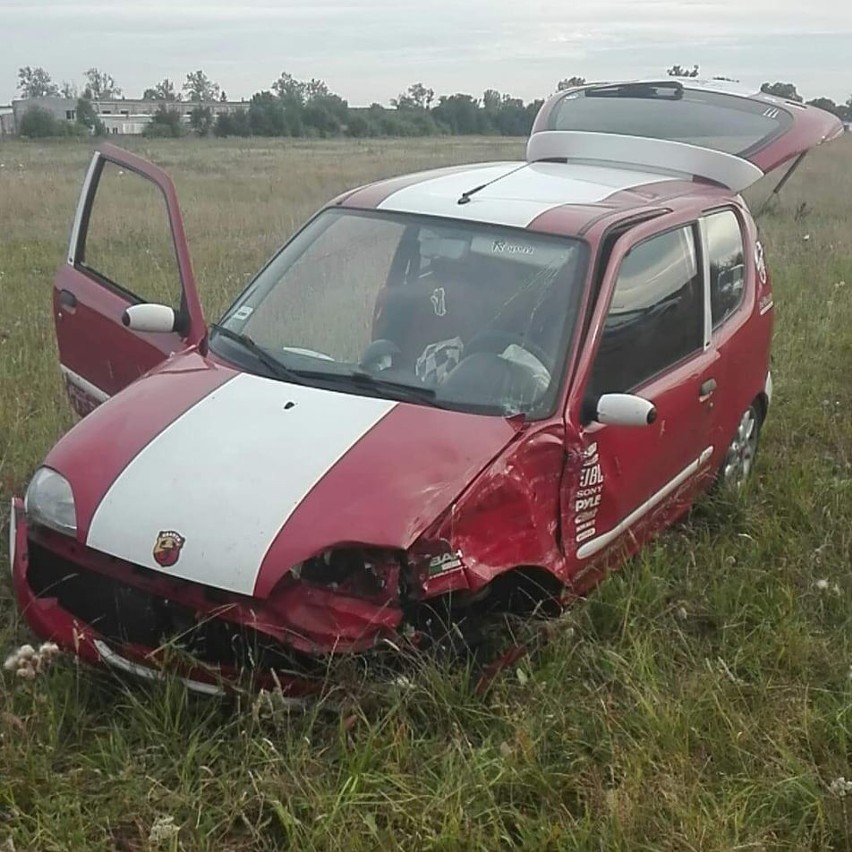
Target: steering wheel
[[496, 341]]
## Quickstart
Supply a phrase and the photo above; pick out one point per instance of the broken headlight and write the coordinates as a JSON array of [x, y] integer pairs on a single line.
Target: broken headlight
[[353, 570], [50, 502]]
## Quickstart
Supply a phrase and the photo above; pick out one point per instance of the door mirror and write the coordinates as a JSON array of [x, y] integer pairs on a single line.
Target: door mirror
[[159, 319], [625, 409]]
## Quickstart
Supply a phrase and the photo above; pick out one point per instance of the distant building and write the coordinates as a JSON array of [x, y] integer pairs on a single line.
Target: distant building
[[121, 116], [7, 120], [59, 107]]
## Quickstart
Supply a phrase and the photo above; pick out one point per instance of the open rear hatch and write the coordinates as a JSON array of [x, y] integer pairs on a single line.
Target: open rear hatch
[[711, 130]]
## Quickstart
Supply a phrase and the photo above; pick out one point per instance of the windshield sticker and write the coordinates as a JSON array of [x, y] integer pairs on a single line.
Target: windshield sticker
[[243, 313], [503, 247], [589, 495], [439, 301]]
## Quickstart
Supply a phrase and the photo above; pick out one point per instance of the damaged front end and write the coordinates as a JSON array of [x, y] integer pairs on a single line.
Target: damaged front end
[[344, 601]]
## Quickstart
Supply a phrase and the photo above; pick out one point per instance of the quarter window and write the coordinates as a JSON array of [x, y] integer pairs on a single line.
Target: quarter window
[[657, 313], [727, 267]]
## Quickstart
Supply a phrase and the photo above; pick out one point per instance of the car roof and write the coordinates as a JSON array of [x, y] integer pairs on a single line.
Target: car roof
[[525, 194]]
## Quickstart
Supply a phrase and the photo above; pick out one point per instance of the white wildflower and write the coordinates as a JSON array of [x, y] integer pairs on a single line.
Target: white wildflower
[[163, 830], [806, 237], [822, 585], [840, 787], [27, 662]]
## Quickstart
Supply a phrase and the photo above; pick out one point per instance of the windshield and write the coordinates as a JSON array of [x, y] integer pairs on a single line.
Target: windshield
[[454, 314], [727, 123]]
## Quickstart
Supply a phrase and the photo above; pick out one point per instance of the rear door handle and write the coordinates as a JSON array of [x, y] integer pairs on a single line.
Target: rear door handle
[[67, 300], [707, 388]]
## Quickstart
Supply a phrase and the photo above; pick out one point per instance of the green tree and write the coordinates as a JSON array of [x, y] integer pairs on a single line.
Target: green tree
[[163, 91], [88, 118], [35, 83], [68, 90], [458, 113], [829, 106], [266, 115], [782, 90], [234, 123], [100, 86], [37, 123], [289, 89], [680, 71], [201, 120], [166, 121], [570, 83], [416, 96], [199, 87]]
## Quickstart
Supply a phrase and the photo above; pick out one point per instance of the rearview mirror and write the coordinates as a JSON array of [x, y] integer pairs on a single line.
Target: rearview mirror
[[625, 409], [152, 318]]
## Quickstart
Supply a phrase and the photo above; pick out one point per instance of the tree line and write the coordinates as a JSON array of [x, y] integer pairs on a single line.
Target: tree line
[[307, 108]]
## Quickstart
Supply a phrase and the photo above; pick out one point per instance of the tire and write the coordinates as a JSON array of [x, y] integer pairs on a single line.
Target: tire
[[738, 464]]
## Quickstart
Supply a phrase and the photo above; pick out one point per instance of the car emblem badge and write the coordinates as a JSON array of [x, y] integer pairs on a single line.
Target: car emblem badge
[[167, 548]]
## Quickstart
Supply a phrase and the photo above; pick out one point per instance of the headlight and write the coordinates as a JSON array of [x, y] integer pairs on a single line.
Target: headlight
[[49, 502]]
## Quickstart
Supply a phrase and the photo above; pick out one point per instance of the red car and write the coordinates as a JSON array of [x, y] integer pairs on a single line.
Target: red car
[[480, 386]]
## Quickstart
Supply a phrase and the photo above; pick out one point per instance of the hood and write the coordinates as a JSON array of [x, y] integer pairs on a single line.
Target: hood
[[244, 476]]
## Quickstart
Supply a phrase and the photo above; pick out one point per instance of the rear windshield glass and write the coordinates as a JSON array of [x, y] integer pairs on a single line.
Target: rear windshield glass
[[722, 122]]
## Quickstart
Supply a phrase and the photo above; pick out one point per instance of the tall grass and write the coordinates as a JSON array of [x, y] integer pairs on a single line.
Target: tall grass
[[701, 699]]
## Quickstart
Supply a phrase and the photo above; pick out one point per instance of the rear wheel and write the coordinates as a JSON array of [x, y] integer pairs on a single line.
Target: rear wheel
[[739, 459]]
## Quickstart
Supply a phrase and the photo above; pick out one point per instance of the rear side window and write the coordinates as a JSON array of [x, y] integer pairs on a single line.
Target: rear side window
[[657, 313], [727, 264]]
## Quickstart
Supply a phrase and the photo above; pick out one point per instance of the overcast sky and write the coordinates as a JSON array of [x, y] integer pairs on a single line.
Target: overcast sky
[[370, 50]]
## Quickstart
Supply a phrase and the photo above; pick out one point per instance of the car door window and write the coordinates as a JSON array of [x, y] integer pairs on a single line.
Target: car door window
[[129, 244], [727, 267], [656, 317]]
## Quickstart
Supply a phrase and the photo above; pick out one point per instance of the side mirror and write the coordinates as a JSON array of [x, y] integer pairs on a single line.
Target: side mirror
[[625, 409], [152, 318]]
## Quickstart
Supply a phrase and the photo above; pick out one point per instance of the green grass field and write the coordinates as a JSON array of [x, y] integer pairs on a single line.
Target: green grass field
[[701, 699]]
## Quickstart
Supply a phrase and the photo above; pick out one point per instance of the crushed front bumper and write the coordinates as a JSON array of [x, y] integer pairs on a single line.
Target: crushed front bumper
[[108, 613]]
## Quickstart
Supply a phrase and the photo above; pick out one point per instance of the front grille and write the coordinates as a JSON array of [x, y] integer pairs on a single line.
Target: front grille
[[125, 614]]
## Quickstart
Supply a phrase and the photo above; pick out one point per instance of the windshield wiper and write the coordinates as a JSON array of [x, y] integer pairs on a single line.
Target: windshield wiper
[[399, 390], [275, 367]]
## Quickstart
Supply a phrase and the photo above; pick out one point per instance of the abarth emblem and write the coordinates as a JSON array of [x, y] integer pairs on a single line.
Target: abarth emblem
[[167, 548]]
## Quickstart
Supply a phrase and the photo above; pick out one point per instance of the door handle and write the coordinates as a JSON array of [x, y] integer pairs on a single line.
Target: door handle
[[67, 300], [707, 388]]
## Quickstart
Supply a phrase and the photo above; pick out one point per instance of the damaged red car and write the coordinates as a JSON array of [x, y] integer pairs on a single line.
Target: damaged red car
[[480, 385]]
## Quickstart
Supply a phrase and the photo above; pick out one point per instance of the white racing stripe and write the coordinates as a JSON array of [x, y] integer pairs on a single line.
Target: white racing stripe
[[519, 196], [227, 474]]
